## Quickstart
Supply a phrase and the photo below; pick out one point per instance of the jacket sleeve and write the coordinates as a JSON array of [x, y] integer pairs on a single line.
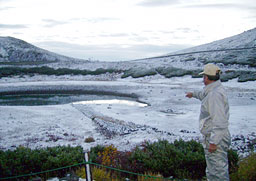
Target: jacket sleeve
[[218, 116], [198, 95]]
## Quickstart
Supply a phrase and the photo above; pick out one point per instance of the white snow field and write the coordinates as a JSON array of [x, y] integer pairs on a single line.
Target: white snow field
[[160, 111]]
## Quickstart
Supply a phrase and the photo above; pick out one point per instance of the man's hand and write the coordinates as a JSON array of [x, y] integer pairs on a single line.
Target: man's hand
[[189, 94], [212, 148]]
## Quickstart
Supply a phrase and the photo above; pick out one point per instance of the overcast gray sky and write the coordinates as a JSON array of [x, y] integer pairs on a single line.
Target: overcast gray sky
[[123, 29]]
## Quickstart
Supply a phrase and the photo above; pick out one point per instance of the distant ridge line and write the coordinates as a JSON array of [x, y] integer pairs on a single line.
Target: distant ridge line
[[204, 51]]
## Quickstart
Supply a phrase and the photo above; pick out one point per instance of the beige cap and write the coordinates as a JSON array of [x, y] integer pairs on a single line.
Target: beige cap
[[210, 69]]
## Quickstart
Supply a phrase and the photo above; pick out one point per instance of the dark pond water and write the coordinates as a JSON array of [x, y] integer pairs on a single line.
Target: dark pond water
[[54, 99]]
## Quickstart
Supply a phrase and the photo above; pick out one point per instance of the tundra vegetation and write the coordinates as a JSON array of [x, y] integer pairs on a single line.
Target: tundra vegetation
[[137, 72], [161, 159]]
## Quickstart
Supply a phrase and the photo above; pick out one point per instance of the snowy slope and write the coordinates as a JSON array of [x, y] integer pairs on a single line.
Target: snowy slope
[[12, 49], [232, 51], [236, 53], [16, 50], [245, 39]]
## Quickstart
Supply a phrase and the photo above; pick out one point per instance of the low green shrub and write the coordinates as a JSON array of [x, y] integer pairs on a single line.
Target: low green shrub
[[94, 153], [228, 75], [139, 72], [233, 159], [169, 72], [247, 76], [44, 70], [136, 72], [246, 169], [179, 159], [100, 174], [25, 160], [232, 59]]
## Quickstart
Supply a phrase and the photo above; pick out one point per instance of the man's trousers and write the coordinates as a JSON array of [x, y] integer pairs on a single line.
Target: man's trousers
[[217, 162]]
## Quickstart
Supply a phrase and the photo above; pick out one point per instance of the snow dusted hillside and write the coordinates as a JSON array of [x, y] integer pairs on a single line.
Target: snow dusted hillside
[[243, 40], [16, 50], [239, 50], [236, 52], [235, 55]]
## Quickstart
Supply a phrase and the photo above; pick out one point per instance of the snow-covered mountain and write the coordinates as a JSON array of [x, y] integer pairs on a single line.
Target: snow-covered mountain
[[16, 50], [232, 50], [236, 50], [235, 55], [243, 40]]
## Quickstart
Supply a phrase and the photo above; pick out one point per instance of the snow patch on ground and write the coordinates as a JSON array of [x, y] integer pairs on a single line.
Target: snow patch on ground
[[169, 115]]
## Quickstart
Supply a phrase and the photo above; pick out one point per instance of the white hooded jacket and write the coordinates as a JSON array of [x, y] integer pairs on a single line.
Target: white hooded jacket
[[214, 113]]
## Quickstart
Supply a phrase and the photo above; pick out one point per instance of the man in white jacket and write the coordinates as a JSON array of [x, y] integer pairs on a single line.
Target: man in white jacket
[[214, 123]]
